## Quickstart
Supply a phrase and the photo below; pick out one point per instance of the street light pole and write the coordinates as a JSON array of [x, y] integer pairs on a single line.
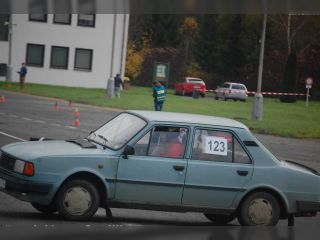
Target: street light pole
[[258, 97], [9, 67]]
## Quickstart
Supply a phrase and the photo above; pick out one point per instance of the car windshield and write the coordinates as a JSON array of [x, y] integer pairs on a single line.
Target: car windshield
[[240, 87], [118, 131], [195, 81]]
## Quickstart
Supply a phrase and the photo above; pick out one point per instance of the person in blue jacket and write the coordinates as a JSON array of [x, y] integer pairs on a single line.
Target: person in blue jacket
[[159, 95], [22, 73]]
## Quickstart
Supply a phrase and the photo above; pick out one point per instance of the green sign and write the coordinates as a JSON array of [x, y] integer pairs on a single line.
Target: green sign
[[161, 72]]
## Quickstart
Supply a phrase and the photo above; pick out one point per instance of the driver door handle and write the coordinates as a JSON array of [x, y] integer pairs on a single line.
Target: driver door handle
[[178, 168], [242, 173]]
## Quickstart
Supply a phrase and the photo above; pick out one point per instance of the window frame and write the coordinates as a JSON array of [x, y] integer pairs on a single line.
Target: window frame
[[42, 57], [149, 130], [62, 23], [94, 21], [234, 137], [45, 20], [75, 58], [51, 57]]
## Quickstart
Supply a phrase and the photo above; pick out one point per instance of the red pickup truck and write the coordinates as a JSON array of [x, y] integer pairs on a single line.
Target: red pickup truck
[[188, 85]]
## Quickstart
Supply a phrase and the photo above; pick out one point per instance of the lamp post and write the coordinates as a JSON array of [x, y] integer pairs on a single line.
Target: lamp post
[[9, 67], [258, 97]]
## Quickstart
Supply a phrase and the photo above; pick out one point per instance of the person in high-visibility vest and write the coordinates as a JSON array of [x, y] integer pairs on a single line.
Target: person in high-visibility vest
[[159, 95]]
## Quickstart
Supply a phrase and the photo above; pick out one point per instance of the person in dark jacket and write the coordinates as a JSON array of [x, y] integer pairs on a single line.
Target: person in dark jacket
[[118, 83], [22, 73], [159, 95]]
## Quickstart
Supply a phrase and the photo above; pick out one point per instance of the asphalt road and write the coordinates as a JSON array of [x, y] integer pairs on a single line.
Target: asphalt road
[[22, 117]]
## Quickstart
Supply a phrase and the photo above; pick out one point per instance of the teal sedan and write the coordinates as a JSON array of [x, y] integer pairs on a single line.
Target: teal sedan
[[161, 161]]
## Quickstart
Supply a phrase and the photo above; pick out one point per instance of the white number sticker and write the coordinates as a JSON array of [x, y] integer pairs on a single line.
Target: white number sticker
[[216, 146]]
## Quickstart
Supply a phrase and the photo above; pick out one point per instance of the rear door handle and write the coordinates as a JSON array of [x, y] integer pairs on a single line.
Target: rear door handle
[[178, 168], [242, 173]]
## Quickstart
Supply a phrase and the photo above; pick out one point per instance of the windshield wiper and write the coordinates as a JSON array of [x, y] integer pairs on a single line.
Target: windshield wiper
[[103, 138]]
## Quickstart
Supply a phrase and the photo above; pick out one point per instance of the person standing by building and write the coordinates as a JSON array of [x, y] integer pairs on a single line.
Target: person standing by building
[[118, 83], [159, 95], [22, 73]]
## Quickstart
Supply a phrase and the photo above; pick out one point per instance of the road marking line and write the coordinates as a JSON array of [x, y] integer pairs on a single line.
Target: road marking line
[[27, 119], [70, 127], [11, 136], [1, 113], [11, 115], [55, 124]]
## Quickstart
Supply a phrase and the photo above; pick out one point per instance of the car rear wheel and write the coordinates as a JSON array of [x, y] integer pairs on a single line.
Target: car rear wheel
[[78, 200], [46, 209], [219, 219], [259, 208]]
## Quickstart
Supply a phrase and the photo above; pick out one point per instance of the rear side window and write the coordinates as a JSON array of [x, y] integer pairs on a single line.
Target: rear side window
[[219, 146], [226, 85]]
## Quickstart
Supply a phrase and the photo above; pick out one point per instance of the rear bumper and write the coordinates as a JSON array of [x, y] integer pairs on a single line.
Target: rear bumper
[[307, 207], [14, 185]]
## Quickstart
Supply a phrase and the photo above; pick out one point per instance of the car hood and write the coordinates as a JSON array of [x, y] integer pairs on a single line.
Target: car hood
[[35, 149]]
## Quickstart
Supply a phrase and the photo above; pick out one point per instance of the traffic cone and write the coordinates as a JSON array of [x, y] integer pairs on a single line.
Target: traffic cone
[[76, 113], [76, 122], [56, 106], [2, 99]]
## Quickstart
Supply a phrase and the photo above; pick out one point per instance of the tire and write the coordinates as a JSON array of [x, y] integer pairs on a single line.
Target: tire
[[219, 219], [46, 209], [216, 98], [78, 200], [259, 208]]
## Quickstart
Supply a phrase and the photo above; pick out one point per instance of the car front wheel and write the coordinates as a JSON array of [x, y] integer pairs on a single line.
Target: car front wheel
[[259, 208], [218, 219], [78, 200]]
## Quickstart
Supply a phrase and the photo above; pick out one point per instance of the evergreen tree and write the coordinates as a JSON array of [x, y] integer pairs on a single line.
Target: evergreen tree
[[289, 84]]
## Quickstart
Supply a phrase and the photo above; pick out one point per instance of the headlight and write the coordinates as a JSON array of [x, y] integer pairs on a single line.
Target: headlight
[[25, 168]]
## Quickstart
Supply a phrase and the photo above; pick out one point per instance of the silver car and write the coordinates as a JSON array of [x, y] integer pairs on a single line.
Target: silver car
[[230, 90]]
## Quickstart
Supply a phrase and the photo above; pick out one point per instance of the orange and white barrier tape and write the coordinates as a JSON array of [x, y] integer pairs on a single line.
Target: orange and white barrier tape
[[263, 93]]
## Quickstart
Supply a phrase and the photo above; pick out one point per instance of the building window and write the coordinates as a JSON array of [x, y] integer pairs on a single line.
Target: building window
[[38, 17], [83, 59], [4, 19], [35, 55], [62, 19], [87, 20], [59, 57]]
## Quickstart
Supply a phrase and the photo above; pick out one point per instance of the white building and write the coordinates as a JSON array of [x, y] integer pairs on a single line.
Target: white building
[[81, 50]]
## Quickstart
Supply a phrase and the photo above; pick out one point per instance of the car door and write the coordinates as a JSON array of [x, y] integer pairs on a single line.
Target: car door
[[218, 170], [155, 173]]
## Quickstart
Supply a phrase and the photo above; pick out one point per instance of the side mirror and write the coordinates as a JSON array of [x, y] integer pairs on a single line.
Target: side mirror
[[128, 150]]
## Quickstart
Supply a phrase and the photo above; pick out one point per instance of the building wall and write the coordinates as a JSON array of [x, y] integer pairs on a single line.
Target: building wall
[[98, 38]]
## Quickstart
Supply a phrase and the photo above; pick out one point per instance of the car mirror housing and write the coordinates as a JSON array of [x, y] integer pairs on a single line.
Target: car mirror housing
[[128, 150]]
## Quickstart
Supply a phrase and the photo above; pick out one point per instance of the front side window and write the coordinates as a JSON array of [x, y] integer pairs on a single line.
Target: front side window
[[59, 57], [118, 131], [219, 146], [163, 141], [35, 55], [86, 20], [83, 59]]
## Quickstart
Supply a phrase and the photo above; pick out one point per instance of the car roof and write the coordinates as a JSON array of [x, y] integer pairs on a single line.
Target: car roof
[[187, 118], [234, 83]]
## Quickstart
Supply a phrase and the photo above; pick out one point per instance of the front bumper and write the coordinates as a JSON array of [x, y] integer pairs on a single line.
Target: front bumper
[[14, 185]]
